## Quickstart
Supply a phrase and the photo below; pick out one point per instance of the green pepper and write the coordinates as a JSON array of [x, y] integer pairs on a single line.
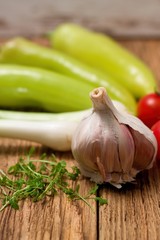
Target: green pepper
[[24, 52], [102, 52], [31, 87]]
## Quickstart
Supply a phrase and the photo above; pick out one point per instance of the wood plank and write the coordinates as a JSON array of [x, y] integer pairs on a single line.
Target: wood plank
[[55, 218], [120, 18], [133, 212]]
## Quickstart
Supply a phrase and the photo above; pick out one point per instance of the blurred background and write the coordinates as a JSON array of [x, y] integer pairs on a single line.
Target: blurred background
[[120, 18]]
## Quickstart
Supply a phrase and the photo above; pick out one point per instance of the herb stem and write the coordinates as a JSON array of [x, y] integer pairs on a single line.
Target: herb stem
[[44, 161], [37, 182]]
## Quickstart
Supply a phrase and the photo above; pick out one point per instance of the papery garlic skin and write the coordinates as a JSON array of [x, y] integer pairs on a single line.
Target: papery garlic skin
[[112, 146]]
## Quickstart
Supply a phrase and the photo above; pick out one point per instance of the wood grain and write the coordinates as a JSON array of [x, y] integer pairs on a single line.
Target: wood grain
[[133, 212], [55, 218], [117, 17]]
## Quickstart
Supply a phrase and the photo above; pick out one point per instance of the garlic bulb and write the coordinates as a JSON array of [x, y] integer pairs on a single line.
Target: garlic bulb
[[112, 146]]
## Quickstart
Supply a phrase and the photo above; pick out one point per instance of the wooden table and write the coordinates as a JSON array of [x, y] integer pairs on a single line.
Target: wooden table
[[132, 213]]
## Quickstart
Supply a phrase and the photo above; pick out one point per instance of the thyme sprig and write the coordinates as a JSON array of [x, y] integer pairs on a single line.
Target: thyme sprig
[[36, 179]]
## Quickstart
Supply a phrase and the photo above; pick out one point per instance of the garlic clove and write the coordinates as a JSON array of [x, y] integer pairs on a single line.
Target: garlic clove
[[112, 146], [144, 151], [126, 148]]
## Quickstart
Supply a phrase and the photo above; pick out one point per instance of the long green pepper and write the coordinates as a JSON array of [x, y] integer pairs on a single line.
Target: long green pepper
[[24, 52], [31, 87], [102, 52]]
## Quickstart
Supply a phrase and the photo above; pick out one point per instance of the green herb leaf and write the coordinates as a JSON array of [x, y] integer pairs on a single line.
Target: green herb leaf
[[101, 200], [36, 179], [94, 189]]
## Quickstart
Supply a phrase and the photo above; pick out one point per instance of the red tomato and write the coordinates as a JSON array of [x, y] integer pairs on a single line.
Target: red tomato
[[148, 109], [156, 130]]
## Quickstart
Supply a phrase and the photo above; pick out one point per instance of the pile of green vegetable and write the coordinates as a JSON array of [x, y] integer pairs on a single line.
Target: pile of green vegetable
[[59, 79]]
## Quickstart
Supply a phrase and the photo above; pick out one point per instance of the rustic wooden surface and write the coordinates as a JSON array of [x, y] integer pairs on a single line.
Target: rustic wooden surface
[[133, 212], [117, 17]]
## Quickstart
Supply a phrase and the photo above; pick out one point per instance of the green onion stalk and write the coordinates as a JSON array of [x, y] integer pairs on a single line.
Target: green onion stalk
[[54, 130]]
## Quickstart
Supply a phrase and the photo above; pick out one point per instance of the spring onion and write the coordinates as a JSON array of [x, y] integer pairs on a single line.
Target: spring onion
[[54, 130]]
